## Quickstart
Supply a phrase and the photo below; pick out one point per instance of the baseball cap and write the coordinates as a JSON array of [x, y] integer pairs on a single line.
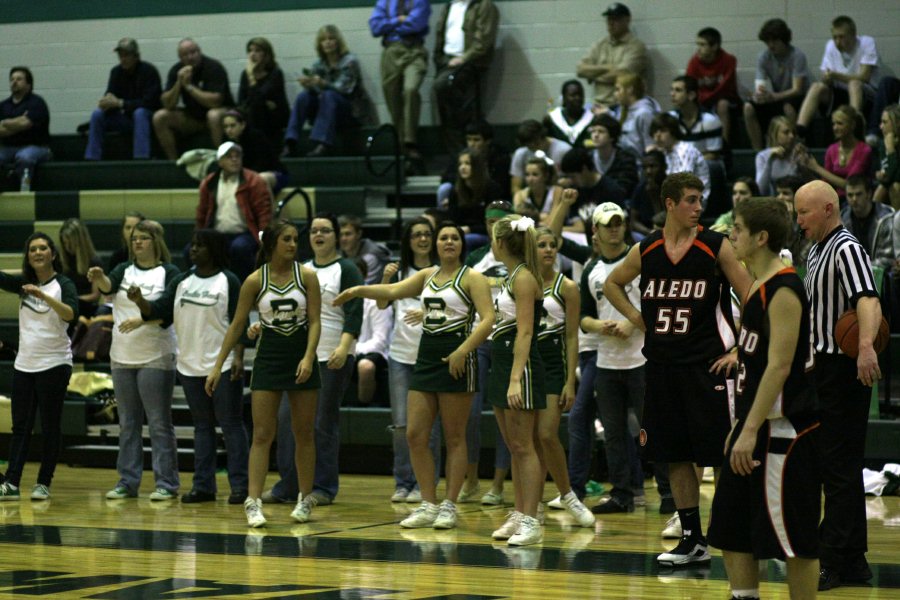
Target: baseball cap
[[617, 9], [498, 209], [226, 148], [127, 45], [604, 213]]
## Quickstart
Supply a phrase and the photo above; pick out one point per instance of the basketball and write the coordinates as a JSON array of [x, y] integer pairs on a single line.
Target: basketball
[[846, 333]]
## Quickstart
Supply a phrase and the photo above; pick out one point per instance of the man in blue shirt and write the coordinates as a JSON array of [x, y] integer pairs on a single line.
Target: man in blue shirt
[[24, 125], [402, 26]]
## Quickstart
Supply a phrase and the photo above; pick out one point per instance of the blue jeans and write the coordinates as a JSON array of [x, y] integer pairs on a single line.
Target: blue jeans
[[502, 459], [326, 110], [24, 157], [225, 407], [137, 123], [399, 375], [33, 393], [328, 425], [138, 391], [618, 392], [581, 424], [242, 250]]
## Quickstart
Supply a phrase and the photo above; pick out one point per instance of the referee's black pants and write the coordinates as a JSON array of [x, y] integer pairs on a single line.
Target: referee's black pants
[[844, 406]]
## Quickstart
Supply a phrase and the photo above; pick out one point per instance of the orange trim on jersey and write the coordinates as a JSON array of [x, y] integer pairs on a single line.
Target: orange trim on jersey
[[658, 242], [787, 270], [704, 247], [762, 295]]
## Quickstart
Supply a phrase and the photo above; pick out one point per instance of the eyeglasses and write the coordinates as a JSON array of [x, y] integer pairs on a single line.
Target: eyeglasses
[[141, 238], [422, 234], [323, 231]]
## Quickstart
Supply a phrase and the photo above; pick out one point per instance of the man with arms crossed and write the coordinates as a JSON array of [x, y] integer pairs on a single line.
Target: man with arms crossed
[[767, 503], [685, 272]]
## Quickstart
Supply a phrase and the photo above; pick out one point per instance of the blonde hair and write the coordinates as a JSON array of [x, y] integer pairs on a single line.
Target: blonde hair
[[334, 32], [627, 79], [521, 244], [83, 255], [774, 125], [156, 231]]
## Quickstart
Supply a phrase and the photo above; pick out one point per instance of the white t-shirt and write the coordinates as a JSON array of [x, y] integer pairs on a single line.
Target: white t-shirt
[[613, 352], [376, 329], [454, 37], [228, 214], [149, 342], [331, 277], [865, 53], [405, 338]]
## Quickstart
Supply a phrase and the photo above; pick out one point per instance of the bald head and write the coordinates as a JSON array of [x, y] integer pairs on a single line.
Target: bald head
[[818, 211]]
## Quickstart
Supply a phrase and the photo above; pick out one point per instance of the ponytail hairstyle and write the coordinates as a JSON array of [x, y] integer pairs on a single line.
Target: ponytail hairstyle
[[520, 239], [268, 239]]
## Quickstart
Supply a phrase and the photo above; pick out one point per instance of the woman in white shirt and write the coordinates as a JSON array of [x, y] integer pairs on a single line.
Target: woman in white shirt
[[142, 357], [44, 361]]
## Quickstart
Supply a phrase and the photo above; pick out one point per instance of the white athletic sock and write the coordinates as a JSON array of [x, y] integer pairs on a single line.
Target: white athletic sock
[[745, 594]]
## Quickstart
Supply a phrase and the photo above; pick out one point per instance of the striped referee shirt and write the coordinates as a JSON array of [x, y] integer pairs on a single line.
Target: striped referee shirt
[[838, 274]]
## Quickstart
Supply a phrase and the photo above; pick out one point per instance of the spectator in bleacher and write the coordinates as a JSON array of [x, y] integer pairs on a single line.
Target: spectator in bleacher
[[699, 127], [372, 345], [43, 364], [24, 127], [532, 137], [781, 156], [887, 93], [614, 162], [201, 304], [201, 84], [872, 223], [472, 191], [798, 245], [593, 188], [337, 348], [463, 49], [417, 252], [142, 357], [849, 73], [260, 152], [634, 111], [132, 95], [479, 138], [680, 156], [354, 245], [120, 254], [716, 73], [888, 174], [646, 202], [570, 121], [235, 201], [261, 92], [333, 97], [742, 190], [780, 84], [849, 155], [77, 256], [619, 51], [402, 27], [540, 192]]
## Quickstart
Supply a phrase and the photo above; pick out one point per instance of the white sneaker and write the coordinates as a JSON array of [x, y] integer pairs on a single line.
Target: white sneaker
[[253, 510], [688, 551], [467, 495], [446, 516], [414, 496], [492, 498], [530, 532], [303, 509], [510, 527], [557, 503], [40, 492], [580, 512], [400, 495], [672, 530], [163, 494], [423, 516]]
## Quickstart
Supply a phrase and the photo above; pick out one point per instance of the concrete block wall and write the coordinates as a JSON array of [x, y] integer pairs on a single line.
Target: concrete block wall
[[539, 43]]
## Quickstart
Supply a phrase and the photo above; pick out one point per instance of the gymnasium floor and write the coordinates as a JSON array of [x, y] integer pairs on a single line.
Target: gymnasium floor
[[80, 545]]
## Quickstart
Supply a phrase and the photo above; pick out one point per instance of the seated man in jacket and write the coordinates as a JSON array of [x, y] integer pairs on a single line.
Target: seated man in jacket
[[236, 202], [870, 222]]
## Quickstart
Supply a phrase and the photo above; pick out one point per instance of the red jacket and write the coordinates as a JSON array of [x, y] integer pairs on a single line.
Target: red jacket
[[252, 197]]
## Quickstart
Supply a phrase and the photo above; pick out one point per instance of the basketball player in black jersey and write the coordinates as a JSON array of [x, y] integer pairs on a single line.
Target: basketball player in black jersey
[[685, 311], [767, 502]]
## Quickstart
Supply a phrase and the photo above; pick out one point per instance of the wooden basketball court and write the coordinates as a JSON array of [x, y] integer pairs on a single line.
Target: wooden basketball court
[[80, 545]]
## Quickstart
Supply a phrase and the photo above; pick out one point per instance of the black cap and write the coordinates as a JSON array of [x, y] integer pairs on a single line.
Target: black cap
[[617, 9]]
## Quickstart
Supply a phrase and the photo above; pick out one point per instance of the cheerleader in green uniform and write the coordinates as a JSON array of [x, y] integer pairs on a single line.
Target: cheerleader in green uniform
[[445, 375], [516, 384], [287, 296]]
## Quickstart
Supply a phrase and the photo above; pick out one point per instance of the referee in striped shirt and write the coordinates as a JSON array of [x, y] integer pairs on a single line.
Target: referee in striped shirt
[[839, 277]]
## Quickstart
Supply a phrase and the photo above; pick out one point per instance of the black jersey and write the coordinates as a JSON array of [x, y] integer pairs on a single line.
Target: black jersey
[[686, 306], [798, 394]]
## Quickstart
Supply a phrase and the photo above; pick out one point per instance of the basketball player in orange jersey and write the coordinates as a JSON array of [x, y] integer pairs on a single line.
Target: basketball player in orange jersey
[[685, 311]]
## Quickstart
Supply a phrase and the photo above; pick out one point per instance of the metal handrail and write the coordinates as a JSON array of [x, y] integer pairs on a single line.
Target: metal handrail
[[303, 250], [396, 164]]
